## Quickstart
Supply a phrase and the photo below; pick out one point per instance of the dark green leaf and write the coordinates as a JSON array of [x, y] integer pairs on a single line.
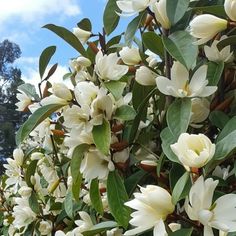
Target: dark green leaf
[[30, 171], [68, 36], [116, 88], [176, 9], [214, 72], [35, 119], [85, 24], [153, 42], [102, 137], [229, 127], [217, 10], [218, 119], [45, 58], [68, 204], [182, 232], [110, 16], [95, 196], [117, 196], [33, 203], [231, 40], [178, 116], [125, 113], [180, 46], [29, 90]]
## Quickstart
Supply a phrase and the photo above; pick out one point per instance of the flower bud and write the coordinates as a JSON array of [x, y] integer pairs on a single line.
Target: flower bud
[[45, 227], [206, 26], [193, 150], [230, 9], [18, 156], [61, 91], [145, 76], [81, 34], [130, 56], [25, 191], [37, 156]]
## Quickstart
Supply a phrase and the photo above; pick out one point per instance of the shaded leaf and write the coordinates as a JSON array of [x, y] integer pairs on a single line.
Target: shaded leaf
[[116, 88], [95, 196], [85, 24], [29, 90], [214, 72], [125, 113]]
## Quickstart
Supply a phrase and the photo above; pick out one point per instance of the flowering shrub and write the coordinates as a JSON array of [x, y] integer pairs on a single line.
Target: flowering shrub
[[141, 137]]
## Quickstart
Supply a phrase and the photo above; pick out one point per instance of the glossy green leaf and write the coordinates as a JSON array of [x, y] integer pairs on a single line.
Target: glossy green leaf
[[68, 204], [117, 196], [29, 90], [125, 113], [95, 196], [85, 24], [102, 137], [182, 232], [132, 28], [154, 43], [180, 46], [229, 127], [116, 88], [176, 9], [217, 10], [35, 119], [214, 72], [179, 187], [45, 58], [218, 119], [178, 116], [68, 36], [231, 40], [30, 171], [110, 16], [33, 203], [99, 228]]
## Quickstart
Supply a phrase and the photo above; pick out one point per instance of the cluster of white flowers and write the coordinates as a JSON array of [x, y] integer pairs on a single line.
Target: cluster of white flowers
[[132, 128]]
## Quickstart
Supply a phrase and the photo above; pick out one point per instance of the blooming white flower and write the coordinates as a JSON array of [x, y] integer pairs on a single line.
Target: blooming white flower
[[152, 207], [60, 90], [159, 9], [130, 56], [220, 215], [24, 101], [107, 67], [131, 7], [230, 9], [200, 110], [145, 76], [45, 227], [223, 172], [179, 85], [213, 53], [96, 165], [206, 26], [193, 150], [82, 35]]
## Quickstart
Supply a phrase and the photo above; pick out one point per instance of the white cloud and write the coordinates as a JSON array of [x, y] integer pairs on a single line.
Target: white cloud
[[33, 10]]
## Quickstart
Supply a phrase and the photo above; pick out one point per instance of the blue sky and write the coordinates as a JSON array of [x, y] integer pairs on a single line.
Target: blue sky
[[21, 22]]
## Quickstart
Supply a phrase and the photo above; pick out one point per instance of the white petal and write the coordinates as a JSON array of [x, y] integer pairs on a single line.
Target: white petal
[[159, 229], [162, 84]]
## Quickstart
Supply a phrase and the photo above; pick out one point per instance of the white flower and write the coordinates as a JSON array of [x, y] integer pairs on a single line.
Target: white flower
[[200, 110], [131, 7], [45, 227], [85, 223], [80, 63], [230, 9], [107, 67], [206, 26], [193, 150], [96, 165], [130, 56], [24, 101], [223, 172], [114, 232], [220, 215], [52, 99], [159, 9], [145, 76], [82, 35], [179, 85], [18, 155], [60, 90], [152, 207], [25, 191], [213, 53]]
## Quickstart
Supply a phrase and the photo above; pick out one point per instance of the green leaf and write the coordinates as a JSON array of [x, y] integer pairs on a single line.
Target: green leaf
[[30, 171], [218, 119], [231, 40], [102, 137], [229, 127], [85, 24], [99, 228], [167, 139], [68, 36], [95, 196], [178, 116], [182, 232], [179, 187], [110, 17], [180, 46], [132, 28], [68, 204], [29, 90], [125, 113], [154, 43], [176, 9], [217, 10], [35, 119], [116, 88], [45, 58], [117, 196], [33, 203], [214, 72], [76, 159]]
